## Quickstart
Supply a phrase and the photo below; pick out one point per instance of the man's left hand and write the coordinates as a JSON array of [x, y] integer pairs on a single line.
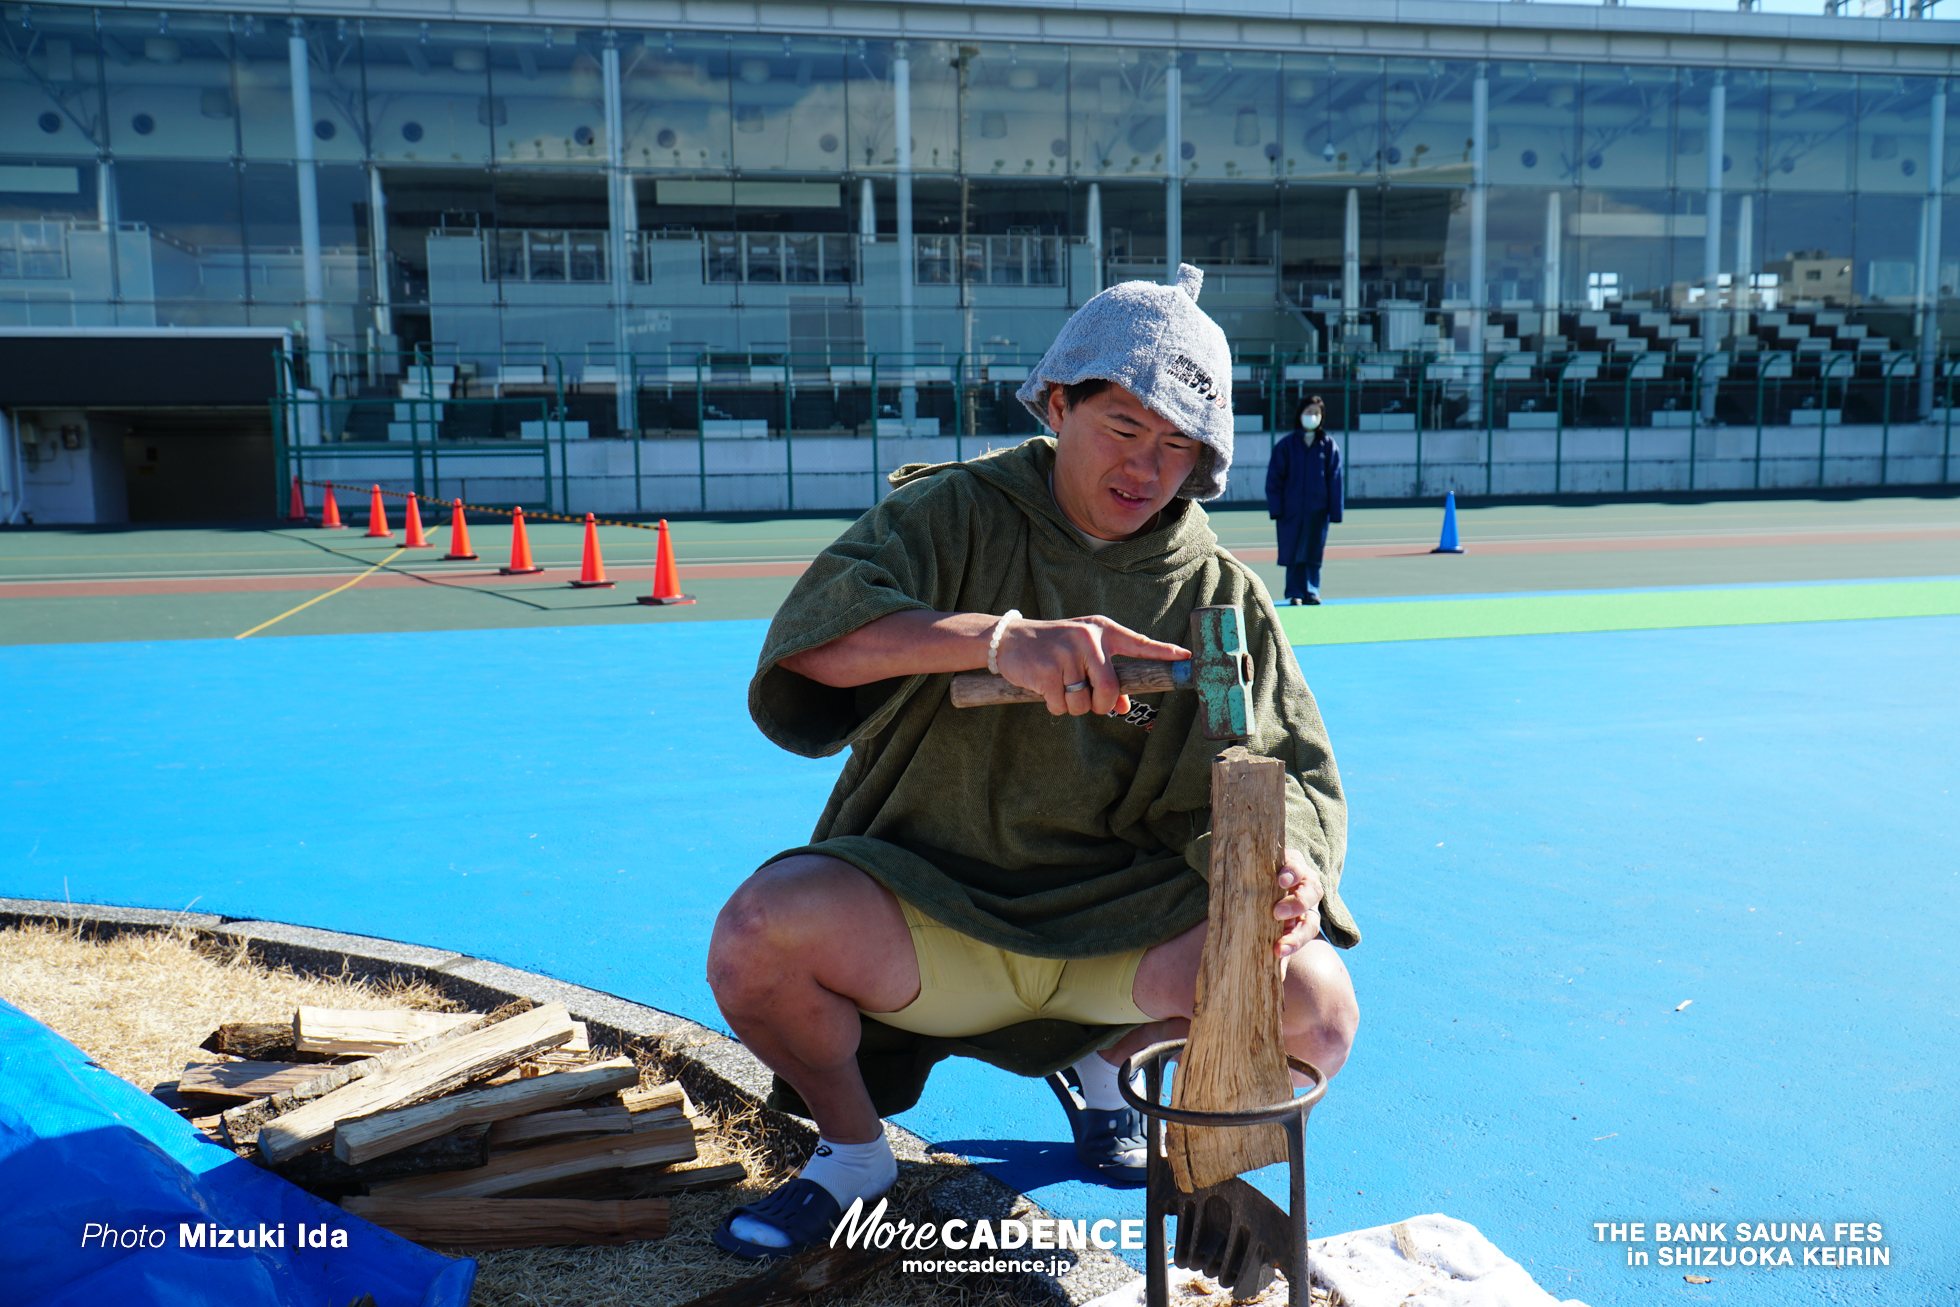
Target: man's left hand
[[1299, 904]]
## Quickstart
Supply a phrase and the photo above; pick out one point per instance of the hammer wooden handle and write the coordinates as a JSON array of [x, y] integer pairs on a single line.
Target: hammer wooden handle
[[1135, 675]]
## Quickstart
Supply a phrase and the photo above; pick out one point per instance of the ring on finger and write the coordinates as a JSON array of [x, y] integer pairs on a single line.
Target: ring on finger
[[1071, 689]]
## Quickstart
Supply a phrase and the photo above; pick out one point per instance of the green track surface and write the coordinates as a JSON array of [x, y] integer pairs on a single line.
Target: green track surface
[[1637, 610], [463, 596]]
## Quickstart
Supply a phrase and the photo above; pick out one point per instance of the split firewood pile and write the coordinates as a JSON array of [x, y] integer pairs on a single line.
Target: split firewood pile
[[471, 1131]]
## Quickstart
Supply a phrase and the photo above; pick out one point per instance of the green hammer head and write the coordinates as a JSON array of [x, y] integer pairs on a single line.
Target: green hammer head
[[1221, 671]]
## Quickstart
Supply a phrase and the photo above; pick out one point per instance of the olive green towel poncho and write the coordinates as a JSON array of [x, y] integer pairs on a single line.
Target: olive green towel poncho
[[1054, 837]]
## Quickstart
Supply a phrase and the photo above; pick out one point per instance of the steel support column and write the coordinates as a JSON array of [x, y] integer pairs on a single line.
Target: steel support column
[[908, 394], [621, 234], [1173, 169], [1932, 216], [1094, 226], [1479, 239], [309, 207], [1351, 265], [1712, 326], [1552, 293]]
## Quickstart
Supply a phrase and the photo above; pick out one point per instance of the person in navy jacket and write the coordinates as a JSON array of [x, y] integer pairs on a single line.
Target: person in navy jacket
[[1304, 494]]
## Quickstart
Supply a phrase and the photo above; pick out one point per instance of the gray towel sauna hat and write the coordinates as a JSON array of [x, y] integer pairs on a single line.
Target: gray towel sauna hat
[[1156, 343]]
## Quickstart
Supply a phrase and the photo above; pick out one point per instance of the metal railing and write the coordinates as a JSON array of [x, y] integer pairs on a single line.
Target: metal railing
[[545, 256], [32, 251], [567, 256], [766, 431], [774, 258], [1020, 260], [412, 460], [780, 258]]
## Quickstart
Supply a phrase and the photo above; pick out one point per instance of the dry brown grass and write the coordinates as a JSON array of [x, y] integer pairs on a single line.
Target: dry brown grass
[[686, 1264], [139, 1004]]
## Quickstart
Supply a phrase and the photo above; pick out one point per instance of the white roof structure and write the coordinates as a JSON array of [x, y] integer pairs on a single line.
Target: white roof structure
[[1453, 29]]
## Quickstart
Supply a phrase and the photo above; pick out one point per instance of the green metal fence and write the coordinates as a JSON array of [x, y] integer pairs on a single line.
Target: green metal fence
[[439, 405]]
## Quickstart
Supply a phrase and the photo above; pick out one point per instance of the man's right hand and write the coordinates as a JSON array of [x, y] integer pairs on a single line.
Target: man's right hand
[[1050, 657], [1047, 657]]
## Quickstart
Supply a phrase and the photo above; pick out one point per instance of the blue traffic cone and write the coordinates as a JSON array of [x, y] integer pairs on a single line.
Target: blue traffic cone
[[1449, 544]]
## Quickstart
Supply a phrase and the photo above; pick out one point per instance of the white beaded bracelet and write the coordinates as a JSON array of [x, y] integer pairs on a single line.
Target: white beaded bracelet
[[993, 641]]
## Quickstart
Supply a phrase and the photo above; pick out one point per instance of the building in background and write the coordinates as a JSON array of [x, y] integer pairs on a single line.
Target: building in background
[[1590, 245]]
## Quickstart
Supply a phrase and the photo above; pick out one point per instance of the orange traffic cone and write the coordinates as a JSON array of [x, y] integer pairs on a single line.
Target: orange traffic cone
[[412, 528], [520, 548], [459, 536], [297, 513], [330, 512], [378, 516], [666, 576], [592, 570]]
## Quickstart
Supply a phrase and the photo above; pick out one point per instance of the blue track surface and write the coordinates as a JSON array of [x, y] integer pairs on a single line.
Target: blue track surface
[[1556, 840]]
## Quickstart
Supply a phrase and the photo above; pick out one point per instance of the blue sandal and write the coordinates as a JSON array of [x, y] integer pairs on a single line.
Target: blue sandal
[[802, 1209], [1114, 1144]]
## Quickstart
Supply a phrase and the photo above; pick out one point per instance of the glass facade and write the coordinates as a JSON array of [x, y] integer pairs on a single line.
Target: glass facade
[[682, 227]]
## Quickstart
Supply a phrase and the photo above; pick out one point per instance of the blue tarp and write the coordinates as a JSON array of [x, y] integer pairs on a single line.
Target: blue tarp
[[102, 1188]]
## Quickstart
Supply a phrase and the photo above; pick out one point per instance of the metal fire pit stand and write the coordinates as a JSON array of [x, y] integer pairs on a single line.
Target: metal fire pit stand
[[1229, 1231]]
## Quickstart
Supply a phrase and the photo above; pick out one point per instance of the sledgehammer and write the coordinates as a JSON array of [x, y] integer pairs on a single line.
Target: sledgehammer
[[1220, 670]]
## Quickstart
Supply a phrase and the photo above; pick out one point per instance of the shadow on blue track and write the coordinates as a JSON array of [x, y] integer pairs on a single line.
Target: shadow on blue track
[[1026, 1164]]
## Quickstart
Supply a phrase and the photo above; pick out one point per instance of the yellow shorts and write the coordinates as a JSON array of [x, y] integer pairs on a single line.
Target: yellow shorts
[[970, 988]]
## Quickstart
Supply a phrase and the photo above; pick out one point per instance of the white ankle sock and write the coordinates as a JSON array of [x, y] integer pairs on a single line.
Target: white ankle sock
[[853, 1171], [848, 1171], [1098, 1078]]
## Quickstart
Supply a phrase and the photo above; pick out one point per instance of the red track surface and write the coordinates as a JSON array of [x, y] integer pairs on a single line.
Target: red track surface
[[383, 580]]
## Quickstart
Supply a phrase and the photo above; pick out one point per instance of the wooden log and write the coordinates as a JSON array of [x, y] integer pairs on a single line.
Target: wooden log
[[1236, 1055], [694, 1179], [427, 1074], [637, 1182], [522, 1072], [1135, 675], [245, 1080], [261, 1041], [238, 1037], [657, 1096], [574, 1052], [504, 1176], [344, 1032], [573, 1122], [486, 1224], [319, 1171], [360, 1138], [242, 1124]]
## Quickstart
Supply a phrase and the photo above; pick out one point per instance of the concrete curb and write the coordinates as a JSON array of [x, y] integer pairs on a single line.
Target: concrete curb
[[714, 1068]]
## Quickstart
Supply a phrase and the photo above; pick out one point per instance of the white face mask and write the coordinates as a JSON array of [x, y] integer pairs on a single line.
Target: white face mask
[[1310, 421]]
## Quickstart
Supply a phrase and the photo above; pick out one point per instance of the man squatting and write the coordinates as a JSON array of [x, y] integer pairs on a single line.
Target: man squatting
[[1023, 887]]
